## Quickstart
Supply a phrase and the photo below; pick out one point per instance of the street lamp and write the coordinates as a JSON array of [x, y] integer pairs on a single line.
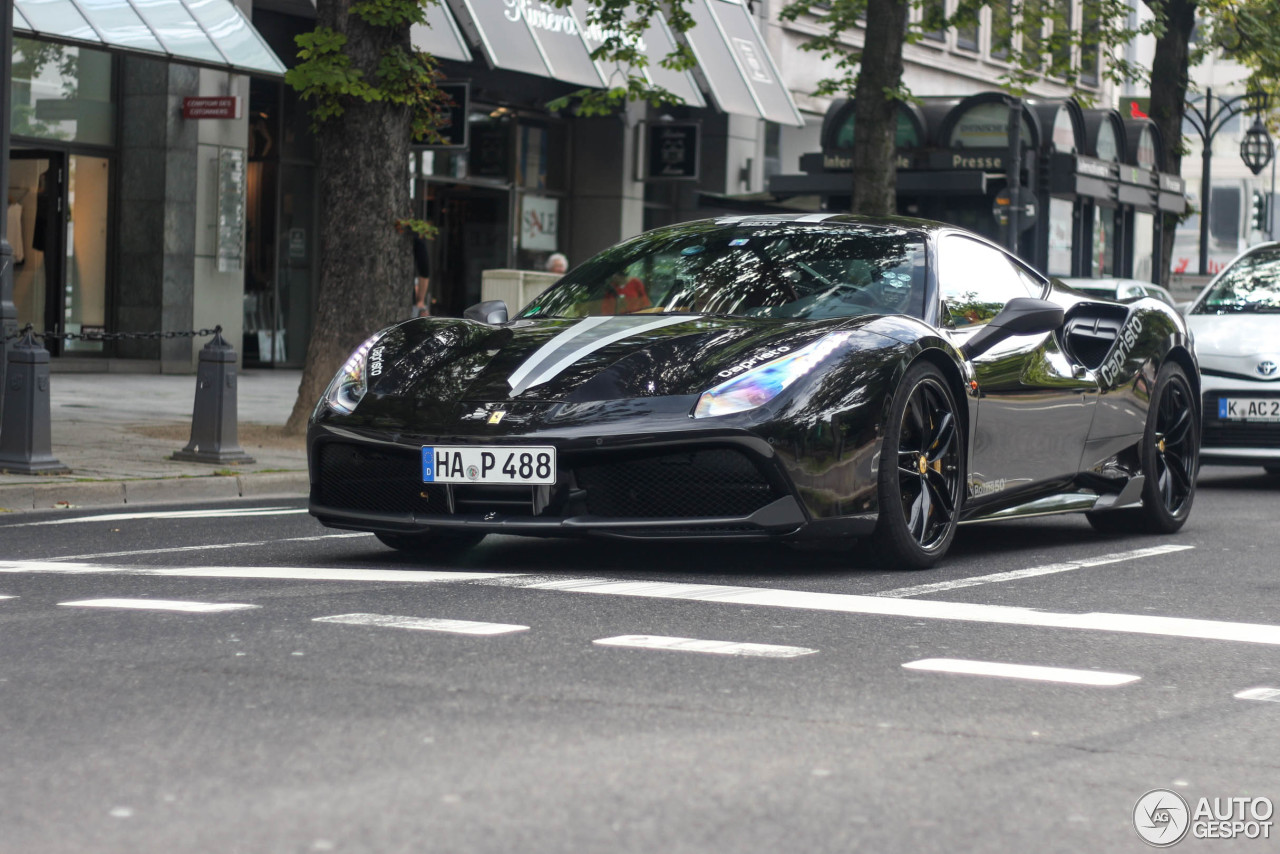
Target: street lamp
[[1256, 147], [1208, 119]]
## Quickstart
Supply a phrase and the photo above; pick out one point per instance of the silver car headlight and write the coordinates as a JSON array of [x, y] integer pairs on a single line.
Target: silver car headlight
[[349, 385], [763, 383]]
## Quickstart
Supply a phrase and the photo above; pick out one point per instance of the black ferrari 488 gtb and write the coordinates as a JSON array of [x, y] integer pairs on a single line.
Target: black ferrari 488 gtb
[[767, 377]]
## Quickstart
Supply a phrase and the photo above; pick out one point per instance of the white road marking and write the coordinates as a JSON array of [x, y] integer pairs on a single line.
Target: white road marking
[[8, 597], [159, 605], [282, 573], [762, 650], [1269, 694], [919, 609], [240, 545], [428, 624], [224, 513], [1021, 671], [1015, 575]]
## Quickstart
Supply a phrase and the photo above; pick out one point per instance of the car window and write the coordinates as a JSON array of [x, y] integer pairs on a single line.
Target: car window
[[1251, 284], [766, 269], [976, 280]]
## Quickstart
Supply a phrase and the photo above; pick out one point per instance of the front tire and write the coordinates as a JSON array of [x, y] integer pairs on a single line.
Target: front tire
[[1169, 456], [431, 543], [921, 475]]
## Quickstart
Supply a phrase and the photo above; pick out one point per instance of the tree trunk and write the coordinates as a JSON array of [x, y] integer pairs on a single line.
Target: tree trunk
[[875, 128], [1169, 70], [365, 263]]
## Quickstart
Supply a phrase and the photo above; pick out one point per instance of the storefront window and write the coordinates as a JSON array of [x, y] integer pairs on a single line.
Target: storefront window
[[1060, 232], [986, 125], [84, 303], [1107, 146], [61, 92], [1102, 259], [1144, 243]]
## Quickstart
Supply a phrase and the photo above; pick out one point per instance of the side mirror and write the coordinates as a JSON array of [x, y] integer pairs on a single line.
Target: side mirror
[[491, 311], [1020, 316]]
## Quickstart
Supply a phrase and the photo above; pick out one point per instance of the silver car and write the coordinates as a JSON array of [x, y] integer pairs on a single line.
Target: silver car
[[1119, 289], [1236, 323]]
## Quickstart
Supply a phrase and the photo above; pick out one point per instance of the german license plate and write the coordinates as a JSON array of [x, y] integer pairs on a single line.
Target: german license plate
[[533, 465], [1249, 408]]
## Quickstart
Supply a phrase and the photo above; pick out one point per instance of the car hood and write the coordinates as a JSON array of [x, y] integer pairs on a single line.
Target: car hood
[[1237, 343], [429, 365]]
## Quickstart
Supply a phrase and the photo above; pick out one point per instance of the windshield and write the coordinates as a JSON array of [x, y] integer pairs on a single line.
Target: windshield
[[772, 270], [1252, 284]]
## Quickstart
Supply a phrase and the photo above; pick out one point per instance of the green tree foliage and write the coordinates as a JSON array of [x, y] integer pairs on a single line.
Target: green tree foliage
[[621, 24]]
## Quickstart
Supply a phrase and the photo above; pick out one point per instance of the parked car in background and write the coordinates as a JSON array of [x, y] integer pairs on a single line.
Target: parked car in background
[[1236, 323], [1119, 289]]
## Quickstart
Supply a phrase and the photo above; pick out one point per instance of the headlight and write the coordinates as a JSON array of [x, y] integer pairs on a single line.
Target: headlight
[[762, 384], [348, 387]]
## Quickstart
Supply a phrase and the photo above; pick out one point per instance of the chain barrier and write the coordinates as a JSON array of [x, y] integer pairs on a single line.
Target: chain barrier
[[114, 336]]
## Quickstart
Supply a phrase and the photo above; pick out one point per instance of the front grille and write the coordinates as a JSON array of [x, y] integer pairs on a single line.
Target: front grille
[[508, 500], [372, 480], [1225, 435], [1218, 433], [716, 483]]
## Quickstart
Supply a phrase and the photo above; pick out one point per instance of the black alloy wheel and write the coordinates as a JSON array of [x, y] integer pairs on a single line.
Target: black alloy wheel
[[921, 471], [1170, 458]]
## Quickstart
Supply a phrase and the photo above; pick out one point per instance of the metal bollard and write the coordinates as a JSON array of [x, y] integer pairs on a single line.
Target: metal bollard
[[25, 446], [214, 437]]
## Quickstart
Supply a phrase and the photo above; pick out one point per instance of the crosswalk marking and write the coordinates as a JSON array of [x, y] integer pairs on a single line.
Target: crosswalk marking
[[918, 608], [762, 650], [211, 546], [1269, 694], [1142, 624], [429, 624], [160, 605], [1021, 671], [281, 573], [220, 513], [1017, 574]]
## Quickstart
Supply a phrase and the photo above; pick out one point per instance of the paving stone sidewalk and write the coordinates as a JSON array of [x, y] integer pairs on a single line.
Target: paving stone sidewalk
[[116, 433]]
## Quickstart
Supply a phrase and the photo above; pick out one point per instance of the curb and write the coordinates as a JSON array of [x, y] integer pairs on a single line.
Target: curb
[[62, 496]]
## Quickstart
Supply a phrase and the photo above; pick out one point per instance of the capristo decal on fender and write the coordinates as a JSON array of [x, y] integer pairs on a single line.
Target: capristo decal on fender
[[1124, 346]]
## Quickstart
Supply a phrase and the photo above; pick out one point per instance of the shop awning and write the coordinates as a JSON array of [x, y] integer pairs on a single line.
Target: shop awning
[[538, 39], [440, 36], [656, 44], [740, 73], [209, 33]]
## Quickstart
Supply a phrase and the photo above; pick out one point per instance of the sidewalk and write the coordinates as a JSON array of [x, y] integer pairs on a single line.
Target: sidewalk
[[116, 433]]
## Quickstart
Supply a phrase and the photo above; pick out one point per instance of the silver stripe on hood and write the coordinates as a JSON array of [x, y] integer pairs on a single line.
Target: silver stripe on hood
[[580, 340]]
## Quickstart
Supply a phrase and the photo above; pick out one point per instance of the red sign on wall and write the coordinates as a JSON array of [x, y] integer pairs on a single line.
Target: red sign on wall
[[218, 107]]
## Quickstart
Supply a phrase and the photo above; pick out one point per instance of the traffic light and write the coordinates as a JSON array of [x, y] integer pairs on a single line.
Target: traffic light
[[1259, 220]]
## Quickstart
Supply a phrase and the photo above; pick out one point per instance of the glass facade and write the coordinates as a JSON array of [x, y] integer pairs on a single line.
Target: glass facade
[[62, 93]]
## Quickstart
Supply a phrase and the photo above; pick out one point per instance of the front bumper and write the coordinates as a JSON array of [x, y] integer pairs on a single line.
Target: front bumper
[[697, 484], [1233, 442]]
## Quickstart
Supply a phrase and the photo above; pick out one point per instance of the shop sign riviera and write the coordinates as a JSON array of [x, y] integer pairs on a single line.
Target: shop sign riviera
[[541, 16]]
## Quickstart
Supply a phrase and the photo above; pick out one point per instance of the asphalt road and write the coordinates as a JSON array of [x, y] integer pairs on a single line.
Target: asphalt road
[[270, 728]]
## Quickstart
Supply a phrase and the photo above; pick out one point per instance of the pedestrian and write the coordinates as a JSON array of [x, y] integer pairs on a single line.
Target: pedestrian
[[422, 281], [557, 263]]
